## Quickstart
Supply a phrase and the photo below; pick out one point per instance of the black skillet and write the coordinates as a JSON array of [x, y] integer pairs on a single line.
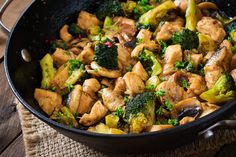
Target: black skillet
[[40, 22]]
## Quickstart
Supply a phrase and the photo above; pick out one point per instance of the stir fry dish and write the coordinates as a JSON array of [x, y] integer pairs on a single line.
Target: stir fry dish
[[139, 66]]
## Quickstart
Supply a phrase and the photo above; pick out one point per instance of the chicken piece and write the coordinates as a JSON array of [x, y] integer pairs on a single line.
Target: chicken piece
[[173, 91], [119, 86], [169, 28], [61, 56], [111, 99], [211, 27], [173, 54], [87, 20], [48, 101], [91, 86], [196, 59], [186, 120], [85, 104], [124, 56], [87, 55], [98, 112], [218, 63], [127, 27], [233, 74], [182, 5], [74, 98], [208, 108], [197, 84], [100, 71], [150, 45], [61, 76], [158, 127], [145, 35], [64, 34], [134, 83], [75, 50], [140, 71], [107, 82]]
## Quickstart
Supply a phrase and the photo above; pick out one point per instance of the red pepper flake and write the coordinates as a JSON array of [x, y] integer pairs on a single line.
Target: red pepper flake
[[108, 44]]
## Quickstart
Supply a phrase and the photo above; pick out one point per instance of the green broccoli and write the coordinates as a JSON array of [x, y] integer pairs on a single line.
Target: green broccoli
[[231, 30], [151, 64], [153, 16], [64, 116], [76, 72], [58, 44], [191, 18], [106, 54], [75, 30], [186, 38], [223, 90], [140, 112], [48, 71], [109, 8]]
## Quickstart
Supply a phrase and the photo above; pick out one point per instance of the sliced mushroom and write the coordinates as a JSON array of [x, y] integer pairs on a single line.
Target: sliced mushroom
[[190, 107], [158, 127], [208, 108], [101, 71], [186, 120]]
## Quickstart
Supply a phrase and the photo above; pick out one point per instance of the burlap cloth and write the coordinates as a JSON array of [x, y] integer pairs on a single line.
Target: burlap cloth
[[41, 140]]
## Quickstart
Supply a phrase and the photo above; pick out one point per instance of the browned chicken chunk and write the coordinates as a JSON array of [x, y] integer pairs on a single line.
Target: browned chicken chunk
[[61, 76], [134, 83], [64, 34], [127, 27], [61, 56], [139, 70], [169, 28], [74, 98], [87, 20], [233, 74], [173, 54], [48, 100], [86, 56], [85, 104], [98, 112], [91, 86], [111, 99], [119, 86], [211, 27], [218, 63], [144, 35]]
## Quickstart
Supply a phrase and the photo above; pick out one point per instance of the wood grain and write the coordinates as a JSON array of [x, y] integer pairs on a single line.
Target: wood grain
[[9, 120], [16, 149]]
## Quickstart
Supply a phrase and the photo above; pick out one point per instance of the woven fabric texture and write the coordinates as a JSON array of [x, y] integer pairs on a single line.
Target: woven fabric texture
[[42, 141]]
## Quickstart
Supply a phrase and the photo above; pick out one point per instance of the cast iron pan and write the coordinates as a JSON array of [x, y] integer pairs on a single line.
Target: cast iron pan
[[41, 21]]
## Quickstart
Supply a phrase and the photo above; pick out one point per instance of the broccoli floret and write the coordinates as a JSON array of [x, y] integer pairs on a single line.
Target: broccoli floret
[[231, 30], [48, 71], [149, 61], [223, 90], [191, 18], [186, 38], [109, 8], [64, 116], [140, 112], [59, 44], [151, 17], [75, 30], [76, 72], [106, 54]]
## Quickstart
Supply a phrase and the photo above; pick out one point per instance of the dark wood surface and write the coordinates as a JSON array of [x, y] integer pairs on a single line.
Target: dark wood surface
[[11, 140]]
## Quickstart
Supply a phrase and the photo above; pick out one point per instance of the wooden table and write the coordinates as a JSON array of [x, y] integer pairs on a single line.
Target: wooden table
[[11, 141]]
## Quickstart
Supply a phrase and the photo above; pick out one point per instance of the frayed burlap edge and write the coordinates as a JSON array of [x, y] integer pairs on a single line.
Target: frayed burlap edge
[[41, 140]]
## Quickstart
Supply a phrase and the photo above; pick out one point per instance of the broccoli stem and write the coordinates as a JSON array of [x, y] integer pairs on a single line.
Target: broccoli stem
[[191, 18]]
